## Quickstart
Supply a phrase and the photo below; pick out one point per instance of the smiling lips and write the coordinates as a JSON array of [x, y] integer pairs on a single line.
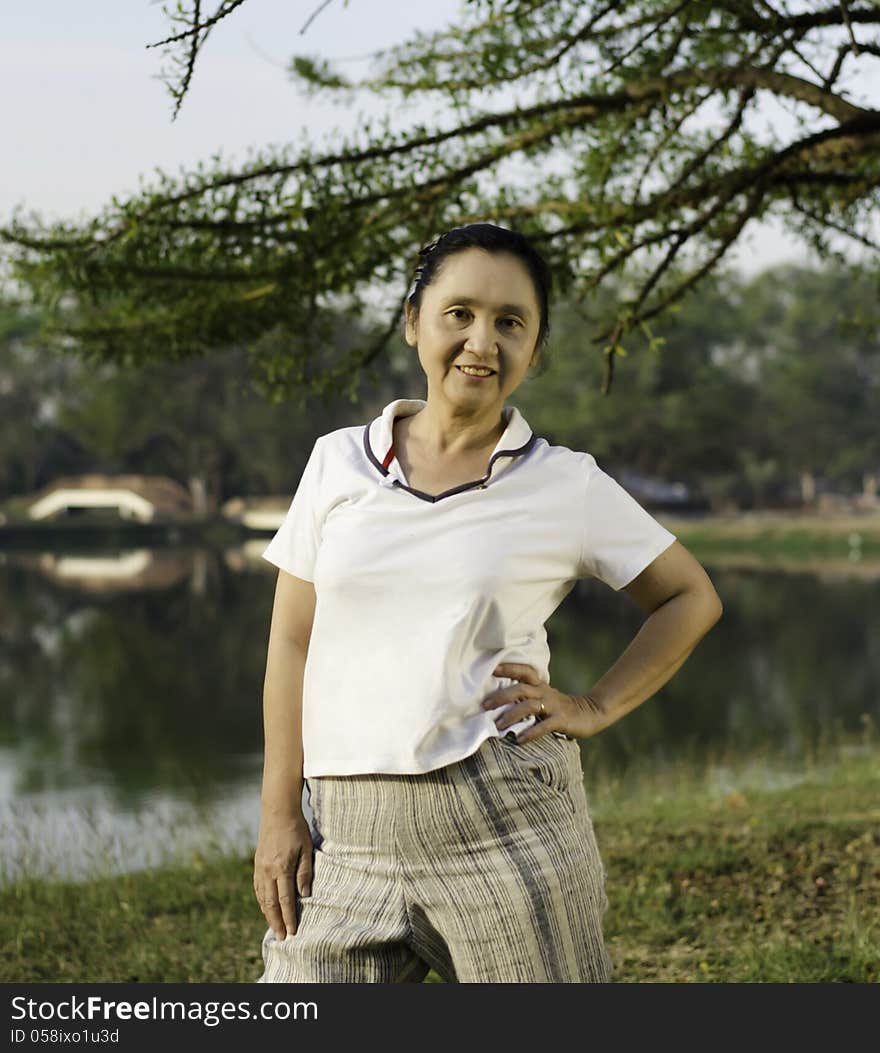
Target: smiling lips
[[478, 372]]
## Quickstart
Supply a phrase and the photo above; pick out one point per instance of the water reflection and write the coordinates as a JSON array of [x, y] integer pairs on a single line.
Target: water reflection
[[131, 691], [78, 834]]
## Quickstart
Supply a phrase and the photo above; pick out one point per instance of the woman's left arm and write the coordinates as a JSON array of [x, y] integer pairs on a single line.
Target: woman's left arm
[[682, 606]]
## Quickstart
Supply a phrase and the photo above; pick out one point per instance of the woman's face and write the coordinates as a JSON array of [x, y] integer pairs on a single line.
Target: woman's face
[[482, 310]]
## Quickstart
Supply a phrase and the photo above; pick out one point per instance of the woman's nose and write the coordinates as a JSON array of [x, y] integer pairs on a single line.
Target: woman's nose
[[481, 337]]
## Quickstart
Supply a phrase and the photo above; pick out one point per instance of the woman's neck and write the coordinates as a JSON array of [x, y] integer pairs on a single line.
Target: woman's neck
[[444, 433]]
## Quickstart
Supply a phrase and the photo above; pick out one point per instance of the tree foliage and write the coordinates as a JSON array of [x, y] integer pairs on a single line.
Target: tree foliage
[[638, 155]]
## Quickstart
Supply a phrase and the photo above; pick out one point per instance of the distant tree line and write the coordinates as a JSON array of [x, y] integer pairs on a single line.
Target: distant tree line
[[758, 392]]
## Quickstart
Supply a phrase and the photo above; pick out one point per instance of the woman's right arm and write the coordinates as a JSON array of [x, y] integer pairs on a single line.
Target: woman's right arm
[[284, 853]]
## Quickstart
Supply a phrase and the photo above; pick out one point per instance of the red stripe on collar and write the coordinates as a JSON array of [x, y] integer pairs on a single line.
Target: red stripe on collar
[[389, 457]]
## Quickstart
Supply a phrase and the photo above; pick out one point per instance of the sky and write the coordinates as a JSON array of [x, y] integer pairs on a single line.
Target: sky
[[85, 113]]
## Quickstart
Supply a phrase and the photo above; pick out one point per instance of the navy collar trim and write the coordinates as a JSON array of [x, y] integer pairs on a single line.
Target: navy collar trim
[[518, 426]]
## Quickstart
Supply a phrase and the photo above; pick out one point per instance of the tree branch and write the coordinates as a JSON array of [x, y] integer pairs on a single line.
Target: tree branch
[[226, 8], [314, 14], [848, 21], [823, 221]]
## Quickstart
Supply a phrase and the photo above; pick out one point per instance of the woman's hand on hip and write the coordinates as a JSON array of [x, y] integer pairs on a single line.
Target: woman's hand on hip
[[283, 864], [576, 715]]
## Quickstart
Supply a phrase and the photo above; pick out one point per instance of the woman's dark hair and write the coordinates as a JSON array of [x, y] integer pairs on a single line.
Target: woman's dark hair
[[493, 239]]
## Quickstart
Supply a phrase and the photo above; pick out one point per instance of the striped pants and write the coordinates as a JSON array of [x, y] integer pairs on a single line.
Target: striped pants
[[486, 870]]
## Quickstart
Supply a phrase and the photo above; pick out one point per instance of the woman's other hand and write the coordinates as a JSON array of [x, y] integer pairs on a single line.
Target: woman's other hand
[[283, 864], [576, 715]]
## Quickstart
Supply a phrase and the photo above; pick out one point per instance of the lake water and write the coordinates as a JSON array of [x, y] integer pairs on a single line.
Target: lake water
[[131, 684]]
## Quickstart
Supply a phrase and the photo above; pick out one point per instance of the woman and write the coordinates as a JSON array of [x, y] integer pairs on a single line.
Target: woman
[[420, 558]]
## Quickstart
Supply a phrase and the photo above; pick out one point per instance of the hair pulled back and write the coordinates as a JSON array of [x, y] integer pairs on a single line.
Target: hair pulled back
[[492, 238]]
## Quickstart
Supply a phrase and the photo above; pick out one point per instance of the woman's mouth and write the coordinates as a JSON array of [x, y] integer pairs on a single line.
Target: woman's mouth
[[476, 372]]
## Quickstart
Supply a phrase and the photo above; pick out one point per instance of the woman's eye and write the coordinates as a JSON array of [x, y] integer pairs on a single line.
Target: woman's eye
[[461, 310]]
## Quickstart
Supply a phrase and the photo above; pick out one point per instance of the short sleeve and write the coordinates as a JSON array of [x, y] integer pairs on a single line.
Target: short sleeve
[[294, 547], [619, 537]]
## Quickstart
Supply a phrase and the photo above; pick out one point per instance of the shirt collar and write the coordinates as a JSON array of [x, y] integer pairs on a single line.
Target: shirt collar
[[378, 435]]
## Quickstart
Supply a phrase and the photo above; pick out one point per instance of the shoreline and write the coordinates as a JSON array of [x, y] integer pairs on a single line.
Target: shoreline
[[755, 521]]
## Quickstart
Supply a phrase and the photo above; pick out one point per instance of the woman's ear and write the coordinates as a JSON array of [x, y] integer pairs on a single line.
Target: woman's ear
[[411, 330]]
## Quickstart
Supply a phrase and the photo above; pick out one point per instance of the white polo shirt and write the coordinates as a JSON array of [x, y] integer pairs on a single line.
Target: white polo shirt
[[420, 596]]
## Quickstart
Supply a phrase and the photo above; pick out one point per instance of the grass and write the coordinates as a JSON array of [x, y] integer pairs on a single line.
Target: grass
[[762, 885], [773, 886]]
